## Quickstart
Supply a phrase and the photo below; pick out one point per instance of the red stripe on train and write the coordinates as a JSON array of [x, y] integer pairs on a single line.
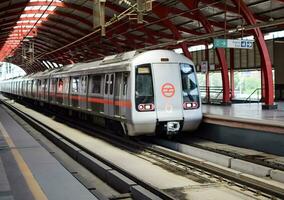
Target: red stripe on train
[[126, 104]]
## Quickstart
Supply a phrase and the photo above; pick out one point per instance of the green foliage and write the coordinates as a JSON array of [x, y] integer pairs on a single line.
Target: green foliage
[[245, 82]]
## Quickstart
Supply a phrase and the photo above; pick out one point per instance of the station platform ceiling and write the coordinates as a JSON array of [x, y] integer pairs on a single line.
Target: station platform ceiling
[[62, 31]]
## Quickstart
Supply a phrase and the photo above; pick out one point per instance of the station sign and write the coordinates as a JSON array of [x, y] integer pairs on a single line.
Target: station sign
[[236, 44]]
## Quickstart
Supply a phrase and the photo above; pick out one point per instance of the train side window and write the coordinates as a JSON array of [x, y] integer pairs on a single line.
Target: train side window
[[53, 84], [30, 84], [111, 84], [66, 85], [43, 86], [75, 84], [106, 83], [39, 84], [60, 85], [22, 88], [96, 84], [34, 87], [125, 85], [84, 84]]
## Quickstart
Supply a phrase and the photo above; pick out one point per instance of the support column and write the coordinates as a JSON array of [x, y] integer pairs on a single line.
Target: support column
[[232, 71], [207, 81], [263, 50], [262, 85], [192, 5], [185, 50]]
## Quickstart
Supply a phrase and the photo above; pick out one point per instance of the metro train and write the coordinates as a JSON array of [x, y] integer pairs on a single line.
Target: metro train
[[146, 93]]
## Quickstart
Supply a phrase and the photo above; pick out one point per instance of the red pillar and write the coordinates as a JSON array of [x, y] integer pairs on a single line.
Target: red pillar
[[262, 85], [232, 70], [185, 50], [207, 81], [192, 5], [265, 57]]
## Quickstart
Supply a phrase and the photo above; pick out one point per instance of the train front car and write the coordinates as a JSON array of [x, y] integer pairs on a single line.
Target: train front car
[[165, 93]]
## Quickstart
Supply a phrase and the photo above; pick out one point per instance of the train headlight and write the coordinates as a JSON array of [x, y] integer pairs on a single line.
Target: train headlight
[[146, 107], [190, 105]]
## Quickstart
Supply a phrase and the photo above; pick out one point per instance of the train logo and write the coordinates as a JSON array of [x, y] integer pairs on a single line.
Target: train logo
[[168, 90]]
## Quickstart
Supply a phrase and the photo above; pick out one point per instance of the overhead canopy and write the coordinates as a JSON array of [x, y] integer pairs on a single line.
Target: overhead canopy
[[40, 34]]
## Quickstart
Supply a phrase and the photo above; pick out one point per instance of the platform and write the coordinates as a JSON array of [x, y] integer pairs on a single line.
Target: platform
[[28, 171], [245, 125], [252, 111], [249, 116]]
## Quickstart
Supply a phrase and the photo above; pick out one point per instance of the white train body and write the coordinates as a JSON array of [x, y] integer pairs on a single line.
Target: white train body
[[148, 92]]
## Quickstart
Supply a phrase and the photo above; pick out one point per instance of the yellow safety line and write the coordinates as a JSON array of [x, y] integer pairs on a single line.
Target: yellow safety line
[[29, 178]]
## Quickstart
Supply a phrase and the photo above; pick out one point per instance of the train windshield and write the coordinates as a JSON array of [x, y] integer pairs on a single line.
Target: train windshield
[[189, 83], [144, 85]]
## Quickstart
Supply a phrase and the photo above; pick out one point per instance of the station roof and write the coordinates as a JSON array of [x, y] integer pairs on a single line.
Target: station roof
[[61, 32]]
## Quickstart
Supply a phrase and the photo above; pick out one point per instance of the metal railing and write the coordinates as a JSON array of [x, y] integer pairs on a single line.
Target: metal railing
[[215, 93], [249, 98]]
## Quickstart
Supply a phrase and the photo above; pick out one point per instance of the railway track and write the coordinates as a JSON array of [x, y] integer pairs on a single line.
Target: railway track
[[71, 149], [174, 161]]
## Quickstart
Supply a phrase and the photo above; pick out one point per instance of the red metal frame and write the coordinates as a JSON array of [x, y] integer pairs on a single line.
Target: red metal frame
[[265, 58], [232, 71], [192, 5], [51, 37]]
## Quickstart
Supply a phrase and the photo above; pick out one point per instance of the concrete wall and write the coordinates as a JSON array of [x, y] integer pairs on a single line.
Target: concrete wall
[[279, 69]]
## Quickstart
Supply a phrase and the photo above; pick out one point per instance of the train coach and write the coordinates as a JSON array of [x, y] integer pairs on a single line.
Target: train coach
[[145, 93]]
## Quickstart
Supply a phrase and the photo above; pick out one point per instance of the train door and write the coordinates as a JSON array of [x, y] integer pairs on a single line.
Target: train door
[[39, 92], [22, 88], [34, 89], [117, 94], [124, 94], [45, 89], [52, 90], [120, 93], [96, 93], [168, 97], [66, 90], [74, 91], [109, 94], [83, 92], [59, 91]]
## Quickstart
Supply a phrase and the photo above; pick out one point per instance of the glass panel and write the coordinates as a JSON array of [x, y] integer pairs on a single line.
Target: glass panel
[[189, 83], [106, 84], [84, 84], [96, 84], [118, 84], [75, 85], [144, 85], [111, 84], [60, 86], [125, 78], [66, 85]]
